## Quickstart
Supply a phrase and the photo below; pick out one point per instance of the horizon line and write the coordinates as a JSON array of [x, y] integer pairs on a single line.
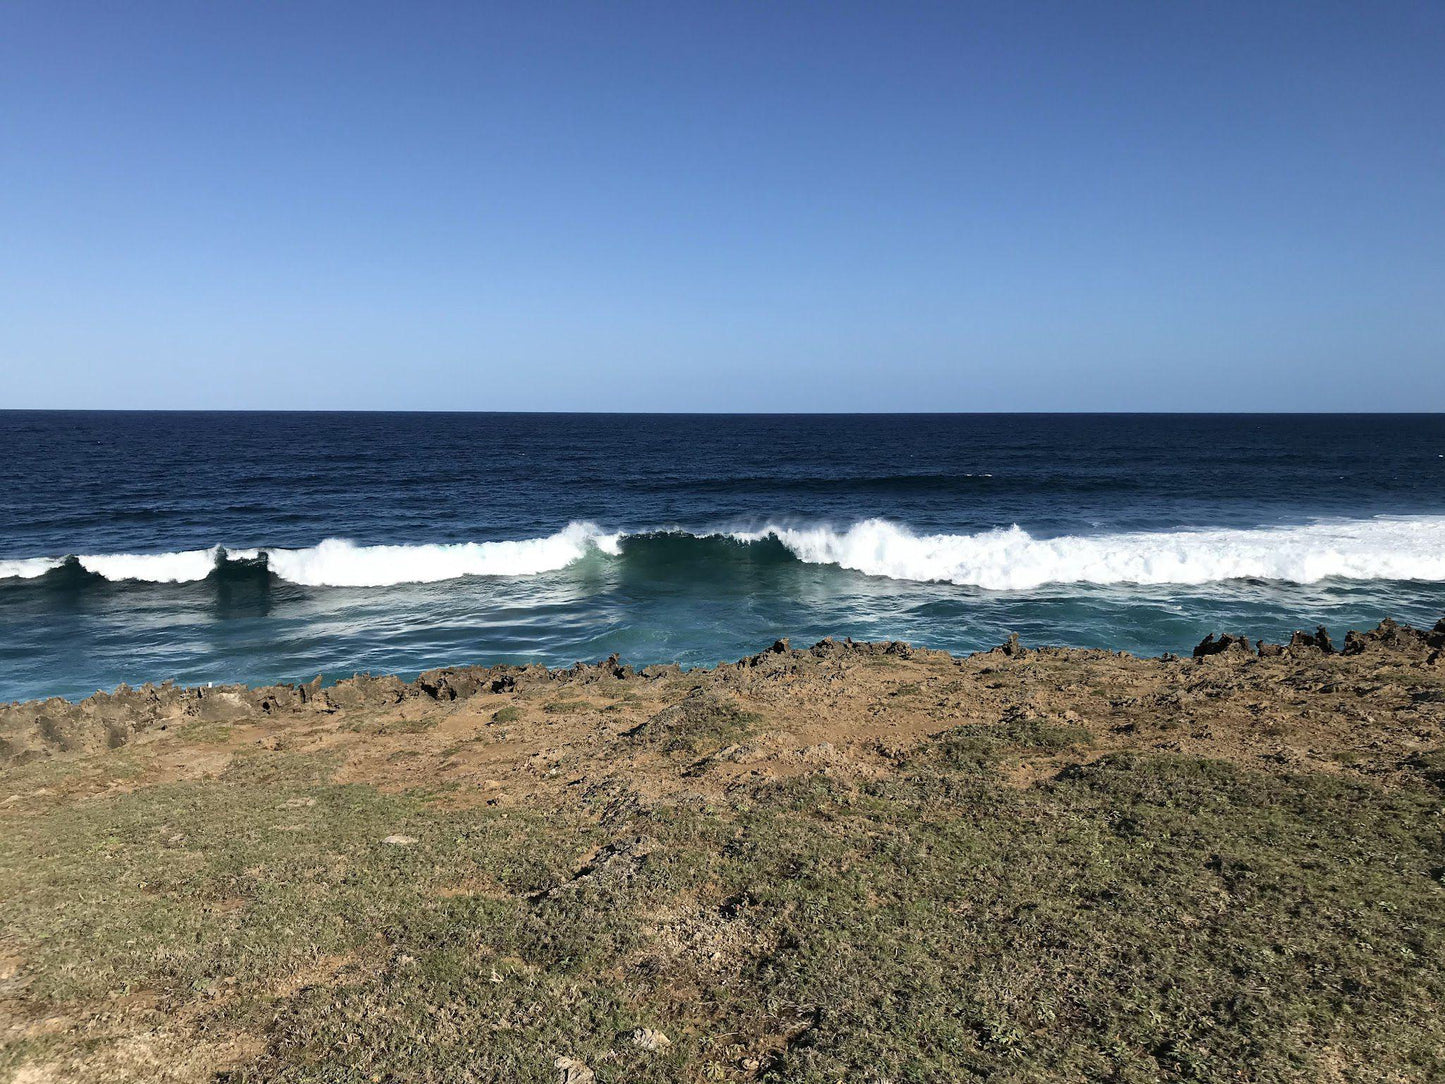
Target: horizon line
[[727, 413]]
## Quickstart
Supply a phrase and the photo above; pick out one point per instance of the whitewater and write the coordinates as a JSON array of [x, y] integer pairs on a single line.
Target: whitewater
[[1005, 559]]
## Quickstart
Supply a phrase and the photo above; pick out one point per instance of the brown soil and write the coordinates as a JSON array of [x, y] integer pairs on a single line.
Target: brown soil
[[505, 734]]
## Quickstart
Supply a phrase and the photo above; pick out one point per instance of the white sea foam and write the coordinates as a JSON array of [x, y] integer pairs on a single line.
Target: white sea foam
[[177, 567], [182, 567], [338, 563], [1390, 548], [27, 568]]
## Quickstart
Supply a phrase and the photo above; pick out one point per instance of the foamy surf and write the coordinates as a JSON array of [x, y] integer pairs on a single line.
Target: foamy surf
[[337, 562], [1384, 548]]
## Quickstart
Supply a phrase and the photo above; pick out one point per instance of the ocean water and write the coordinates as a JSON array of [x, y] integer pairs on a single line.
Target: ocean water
[[267, 547]]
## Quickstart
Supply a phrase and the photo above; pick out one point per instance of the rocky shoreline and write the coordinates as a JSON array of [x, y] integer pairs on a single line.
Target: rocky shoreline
[[1388, 634], [110, 720]]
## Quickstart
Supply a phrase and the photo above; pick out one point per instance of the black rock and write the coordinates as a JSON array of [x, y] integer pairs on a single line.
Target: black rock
[[1319, 639], [1211, 646]]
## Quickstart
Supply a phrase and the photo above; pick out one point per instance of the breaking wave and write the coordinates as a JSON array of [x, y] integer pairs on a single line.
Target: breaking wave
[[1402, 548], [336, 562], [1383, 548]]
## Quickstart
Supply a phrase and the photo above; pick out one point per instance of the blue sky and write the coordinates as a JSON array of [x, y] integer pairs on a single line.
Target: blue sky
[[732, 206]]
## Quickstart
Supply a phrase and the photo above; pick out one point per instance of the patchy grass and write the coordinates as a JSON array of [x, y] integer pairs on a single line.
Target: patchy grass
[[507, 714], [205, 732], [391, 726], [975, 747], [566, 707], [1144, 917], [700, 722]]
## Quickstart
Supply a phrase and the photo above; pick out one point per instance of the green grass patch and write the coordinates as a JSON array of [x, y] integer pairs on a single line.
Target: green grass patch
[[566, 707], [1138, 918], [205, 732]]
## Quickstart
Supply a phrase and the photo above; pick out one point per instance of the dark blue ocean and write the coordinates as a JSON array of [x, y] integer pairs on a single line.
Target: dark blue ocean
[[276, 546]]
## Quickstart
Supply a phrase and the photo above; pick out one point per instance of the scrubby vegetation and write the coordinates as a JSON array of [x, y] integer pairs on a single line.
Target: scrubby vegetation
[[700, 720], [1035, 896], [1139, 917]]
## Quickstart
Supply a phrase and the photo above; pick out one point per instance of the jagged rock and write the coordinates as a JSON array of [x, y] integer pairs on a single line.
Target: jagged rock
[[1268, 650], [829, 648], [363, 690], [454, 682], [1011, 647], [613, 667], [1319, 639], [1391, 633], [776, 659], [1211, 646], [582, 673]]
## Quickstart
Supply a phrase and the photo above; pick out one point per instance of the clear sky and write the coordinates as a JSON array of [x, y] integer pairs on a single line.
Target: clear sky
[[729, 206]]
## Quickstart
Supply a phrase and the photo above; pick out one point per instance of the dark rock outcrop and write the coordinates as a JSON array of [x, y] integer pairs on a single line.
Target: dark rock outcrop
[[1212, 646], [1391, 635], [1320, 639], [1011, 647]]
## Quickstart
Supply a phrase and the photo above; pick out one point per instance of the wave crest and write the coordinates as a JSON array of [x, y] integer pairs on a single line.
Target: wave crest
[[1383, 548], [338, 563], [335, 562]]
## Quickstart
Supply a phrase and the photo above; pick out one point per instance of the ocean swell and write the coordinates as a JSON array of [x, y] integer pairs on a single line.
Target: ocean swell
[[1382, 548]]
